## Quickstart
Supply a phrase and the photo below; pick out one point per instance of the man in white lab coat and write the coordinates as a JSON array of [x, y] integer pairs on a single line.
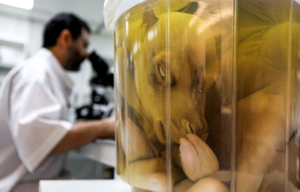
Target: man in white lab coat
[[34, 128]]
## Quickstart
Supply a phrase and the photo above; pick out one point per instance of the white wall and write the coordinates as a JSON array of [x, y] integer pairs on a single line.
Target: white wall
[[30, 32], [16, 28], [104, 45]]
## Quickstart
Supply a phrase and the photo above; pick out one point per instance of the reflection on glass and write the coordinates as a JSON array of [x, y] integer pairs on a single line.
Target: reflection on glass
[[207, 101]]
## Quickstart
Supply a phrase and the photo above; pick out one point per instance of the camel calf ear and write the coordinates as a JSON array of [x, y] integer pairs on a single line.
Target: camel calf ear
[[149, 18], [190, 8]]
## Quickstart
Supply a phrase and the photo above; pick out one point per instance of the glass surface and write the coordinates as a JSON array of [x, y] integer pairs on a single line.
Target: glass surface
[[207, 96]]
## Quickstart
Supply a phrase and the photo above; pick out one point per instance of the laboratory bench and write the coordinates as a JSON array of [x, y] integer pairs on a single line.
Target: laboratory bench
[[102, 151], [84, 186]]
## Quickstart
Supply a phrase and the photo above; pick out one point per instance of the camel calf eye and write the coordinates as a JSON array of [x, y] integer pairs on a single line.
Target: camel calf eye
[[161, 72]]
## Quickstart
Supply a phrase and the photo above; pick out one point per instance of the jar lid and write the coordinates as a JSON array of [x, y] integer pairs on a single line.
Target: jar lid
[[113, 9]]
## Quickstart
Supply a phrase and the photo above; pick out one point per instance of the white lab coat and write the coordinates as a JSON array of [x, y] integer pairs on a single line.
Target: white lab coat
[[33, 119]]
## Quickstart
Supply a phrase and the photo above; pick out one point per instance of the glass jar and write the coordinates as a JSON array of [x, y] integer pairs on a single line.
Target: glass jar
[[207, 94]]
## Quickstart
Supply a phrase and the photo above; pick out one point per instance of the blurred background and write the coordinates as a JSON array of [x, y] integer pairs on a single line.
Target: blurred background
[[22, 23]]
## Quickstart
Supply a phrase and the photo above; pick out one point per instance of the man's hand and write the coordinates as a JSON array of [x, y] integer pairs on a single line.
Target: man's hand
[[109, 125]]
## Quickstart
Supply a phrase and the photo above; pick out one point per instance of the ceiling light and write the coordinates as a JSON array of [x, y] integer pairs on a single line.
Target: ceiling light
[[23, 4]]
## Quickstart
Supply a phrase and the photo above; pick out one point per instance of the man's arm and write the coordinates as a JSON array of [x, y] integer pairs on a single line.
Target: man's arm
[[83, 132]]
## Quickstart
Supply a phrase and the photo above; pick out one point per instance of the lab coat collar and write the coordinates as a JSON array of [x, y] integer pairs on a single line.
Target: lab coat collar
[[57, 67]]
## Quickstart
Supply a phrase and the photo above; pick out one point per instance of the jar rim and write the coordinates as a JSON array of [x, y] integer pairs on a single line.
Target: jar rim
[[113, 9]]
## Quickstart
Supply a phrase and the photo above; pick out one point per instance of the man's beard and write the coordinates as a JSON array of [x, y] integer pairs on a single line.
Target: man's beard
[[75, 66], [73, 59]]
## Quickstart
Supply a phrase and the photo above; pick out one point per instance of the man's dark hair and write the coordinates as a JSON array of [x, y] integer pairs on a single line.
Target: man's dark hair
[[61, 22]]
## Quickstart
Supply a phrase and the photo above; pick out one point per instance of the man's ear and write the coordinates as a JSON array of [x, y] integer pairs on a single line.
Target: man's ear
[[65, 39], [149, 18]]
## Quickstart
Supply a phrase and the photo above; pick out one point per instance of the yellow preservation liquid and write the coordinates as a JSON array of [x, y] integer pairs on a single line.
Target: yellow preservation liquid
[[207, 95]]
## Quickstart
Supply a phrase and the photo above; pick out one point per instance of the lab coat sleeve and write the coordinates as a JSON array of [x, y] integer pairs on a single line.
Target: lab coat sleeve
[[36, 126]]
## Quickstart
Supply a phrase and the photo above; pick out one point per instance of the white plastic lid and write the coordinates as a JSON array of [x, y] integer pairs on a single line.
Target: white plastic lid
[[113, 9]]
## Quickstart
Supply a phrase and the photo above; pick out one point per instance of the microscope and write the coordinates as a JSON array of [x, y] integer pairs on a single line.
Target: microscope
[[102, 104]]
